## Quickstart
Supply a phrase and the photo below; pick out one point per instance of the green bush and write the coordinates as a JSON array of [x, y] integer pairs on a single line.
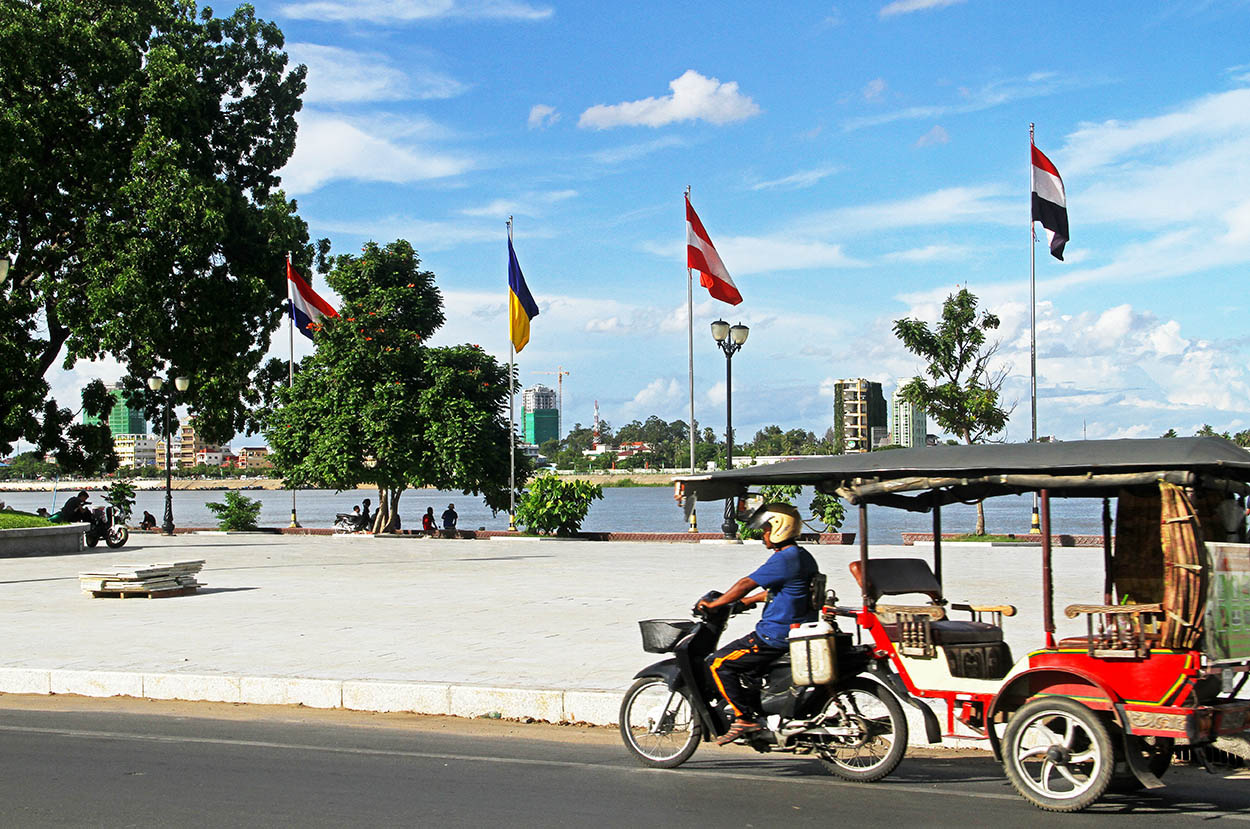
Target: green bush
[[238, 513], [120, 495], [551, 505], [828, 509]]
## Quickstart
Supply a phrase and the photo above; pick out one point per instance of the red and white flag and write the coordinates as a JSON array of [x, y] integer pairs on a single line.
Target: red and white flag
[[701, 255], [1050, 205]]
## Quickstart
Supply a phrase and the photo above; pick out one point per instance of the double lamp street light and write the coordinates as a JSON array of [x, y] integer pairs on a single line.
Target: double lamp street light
[[730, 338], [155, 384]]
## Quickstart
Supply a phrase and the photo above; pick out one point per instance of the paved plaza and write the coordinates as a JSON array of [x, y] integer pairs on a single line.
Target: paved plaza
[[527, 628]]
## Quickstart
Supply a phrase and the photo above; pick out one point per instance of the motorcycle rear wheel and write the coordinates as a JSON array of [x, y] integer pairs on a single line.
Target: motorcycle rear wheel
[[658, 724], [882, 739], [91, 539], [116, 536]]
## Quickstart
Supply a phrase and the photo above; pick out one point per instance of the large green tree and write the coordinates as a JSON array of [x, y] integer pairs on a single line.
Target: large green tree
[[375, 405], [962, 390], [139, 147]]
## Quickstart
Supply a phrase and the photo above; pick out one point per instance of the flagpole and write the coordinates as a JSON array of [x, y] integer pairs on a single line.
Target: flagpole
[[290, 363], [511, 411], [694, 524], [1035, 525]]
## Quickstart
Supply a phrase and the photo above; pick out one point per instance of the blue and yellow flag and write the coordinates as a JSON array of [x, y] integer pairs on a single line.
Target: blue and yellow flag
[[521, 306]]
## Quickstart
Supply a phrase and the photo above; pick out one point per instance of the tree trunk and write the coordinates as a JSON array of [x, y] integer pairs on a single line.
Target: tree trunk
[[980, 518], [387, 516]]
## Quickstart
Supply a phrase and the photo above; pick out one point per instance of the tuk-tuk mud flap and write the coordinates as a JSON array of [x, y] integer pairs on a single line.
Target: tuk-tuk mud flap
[[932, 730]]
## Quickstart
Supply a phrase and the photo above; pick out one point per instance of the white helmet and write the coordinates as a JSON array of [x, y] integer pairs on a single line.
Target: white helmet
[[783, 521]]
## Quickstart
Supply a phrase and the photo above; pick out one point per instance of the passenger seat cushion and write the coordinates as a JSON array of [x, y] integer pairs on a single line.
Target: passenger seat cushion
[[952, 632]]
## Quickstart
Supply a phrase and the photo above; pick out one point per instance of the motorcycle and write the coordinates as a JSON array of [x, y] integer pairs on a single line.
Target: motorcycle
[[104, 526], [350, 522], [855, 725]]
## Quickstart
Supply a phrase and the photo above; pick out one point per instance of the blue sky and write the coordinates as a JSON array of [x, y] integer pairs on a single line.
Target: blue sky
[[854, 163]]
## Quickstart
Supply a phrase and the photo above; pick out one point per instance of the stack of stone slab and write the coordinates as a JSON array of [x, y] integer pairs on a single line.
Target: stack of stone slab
[[173, 578]]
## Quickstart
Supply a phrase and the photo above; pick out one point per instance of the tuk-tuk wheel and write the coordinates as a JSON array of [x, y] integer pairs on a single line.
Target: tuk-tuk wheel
[[1058, 754]]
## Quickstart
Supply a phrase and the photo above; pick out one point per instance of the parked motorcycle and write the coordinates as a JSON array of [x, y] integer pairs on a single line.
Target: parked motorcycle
[[855, 726], [350, 522], [104, 526]]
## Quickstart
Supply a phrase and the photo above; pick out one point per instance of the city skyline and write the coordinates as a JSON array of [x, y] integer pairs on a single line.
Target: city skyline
[[854, 164]]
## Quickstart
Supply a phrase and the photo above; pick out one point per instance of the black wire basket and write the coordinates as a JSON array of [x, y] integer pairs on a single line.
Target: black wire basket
[[662, 635]]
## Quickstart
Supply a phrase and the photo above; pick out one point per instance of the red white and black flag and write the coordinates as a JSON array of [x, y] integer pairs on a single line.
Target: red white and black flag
[[1050, 205]]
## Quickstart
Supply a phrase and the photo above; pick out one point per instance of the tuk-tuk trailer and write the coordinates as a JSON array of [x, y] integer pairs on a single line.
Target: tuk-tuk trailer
[[1166, 646]]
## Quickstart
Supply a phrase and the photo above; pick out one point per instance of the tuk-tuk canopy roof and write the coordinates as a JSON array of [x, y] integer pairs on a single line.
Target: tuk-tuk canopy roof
[[936, 475]]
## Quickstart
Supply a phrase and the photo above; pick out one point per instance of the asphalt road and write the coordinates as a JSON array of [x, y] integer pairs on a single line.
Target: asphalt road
[[117, 763]]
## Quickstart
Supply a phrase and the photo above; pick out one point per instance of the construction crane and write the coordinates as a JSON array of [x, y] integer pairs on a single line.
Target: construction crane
[[560, 374]]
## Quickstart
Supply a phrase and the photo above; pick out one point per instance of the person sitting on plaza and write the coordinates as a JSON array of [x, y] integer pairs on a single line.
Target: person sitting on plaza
[[449, 519], [427, 522], [75, 508], [148, 522]]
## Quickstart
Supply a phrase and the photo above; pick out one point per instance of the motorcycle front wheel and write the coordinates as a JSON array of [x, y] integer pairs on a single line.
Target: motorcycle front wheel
[[658, 724], [117, 536], [877, 732]]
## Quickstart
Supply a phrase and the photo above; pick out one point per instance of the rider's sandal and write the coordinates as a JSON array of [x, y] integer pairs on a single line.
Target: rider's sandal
[[737, 731]]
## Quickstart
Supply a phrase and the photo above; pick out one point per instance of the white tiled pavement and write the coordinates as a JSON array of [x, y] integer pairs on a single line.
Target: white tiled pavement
[[544, 629]]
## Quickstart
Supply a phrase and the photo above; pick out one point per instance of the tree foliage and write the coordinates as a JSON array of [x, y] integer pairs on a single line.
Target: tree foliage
[[139, 147], [375, 405], [962, 390]]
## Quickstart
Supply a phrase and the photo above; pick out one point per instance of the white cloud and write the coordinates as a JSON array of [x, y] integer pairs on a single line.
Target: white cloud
[[332, 147], [937, 135], [660, 395], [531, 204], [931, 253], [993, 94], [908, 6], [345, 76], [542, 115], [744, 255], [1094, 146], [694, 97], [414, 11], [796, 181], [633, 152], [987, 203], [874, 89], [423, 234]]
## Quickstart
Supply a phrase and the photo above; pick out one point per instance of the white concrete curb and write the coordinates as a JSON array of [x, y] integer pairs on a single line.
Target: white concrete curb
[[594, 707]]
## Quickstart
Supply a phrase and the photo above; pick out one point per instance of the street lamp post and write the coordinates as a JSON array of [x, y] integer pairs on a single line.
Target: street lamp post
[[730, 339], [155, 384]]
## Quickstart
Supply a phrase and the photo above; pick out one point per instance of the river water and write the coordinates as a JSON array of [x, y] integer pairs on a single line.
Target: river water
[[623, 509]]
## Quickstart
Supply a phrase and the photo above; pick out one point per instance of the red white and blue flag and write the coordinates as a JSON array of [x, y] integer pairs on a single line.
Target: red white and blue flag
[[701, 255], [1050, 205], [307, 309]]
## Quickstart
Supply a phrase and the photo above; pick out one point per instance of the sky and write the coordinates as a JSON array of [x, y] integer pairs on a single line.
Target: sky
[[854, 164]]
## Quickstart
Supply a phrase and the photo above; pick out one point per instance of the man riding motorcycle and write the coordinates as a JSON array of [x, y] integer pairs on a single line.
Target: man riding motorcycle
[[787, 581]]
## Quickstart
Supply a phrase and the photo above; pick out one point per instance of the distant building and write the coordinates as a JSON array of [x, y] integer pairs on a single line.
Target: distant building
[[540, 415], [254, 457], [907, 421], [122, 419], [136, 451], [190, 446], [858, 408]]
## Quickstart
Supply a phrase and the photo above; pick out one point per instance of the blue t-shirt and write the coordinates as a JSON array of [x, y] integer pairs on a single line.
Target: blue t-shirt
[[786, 576]]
